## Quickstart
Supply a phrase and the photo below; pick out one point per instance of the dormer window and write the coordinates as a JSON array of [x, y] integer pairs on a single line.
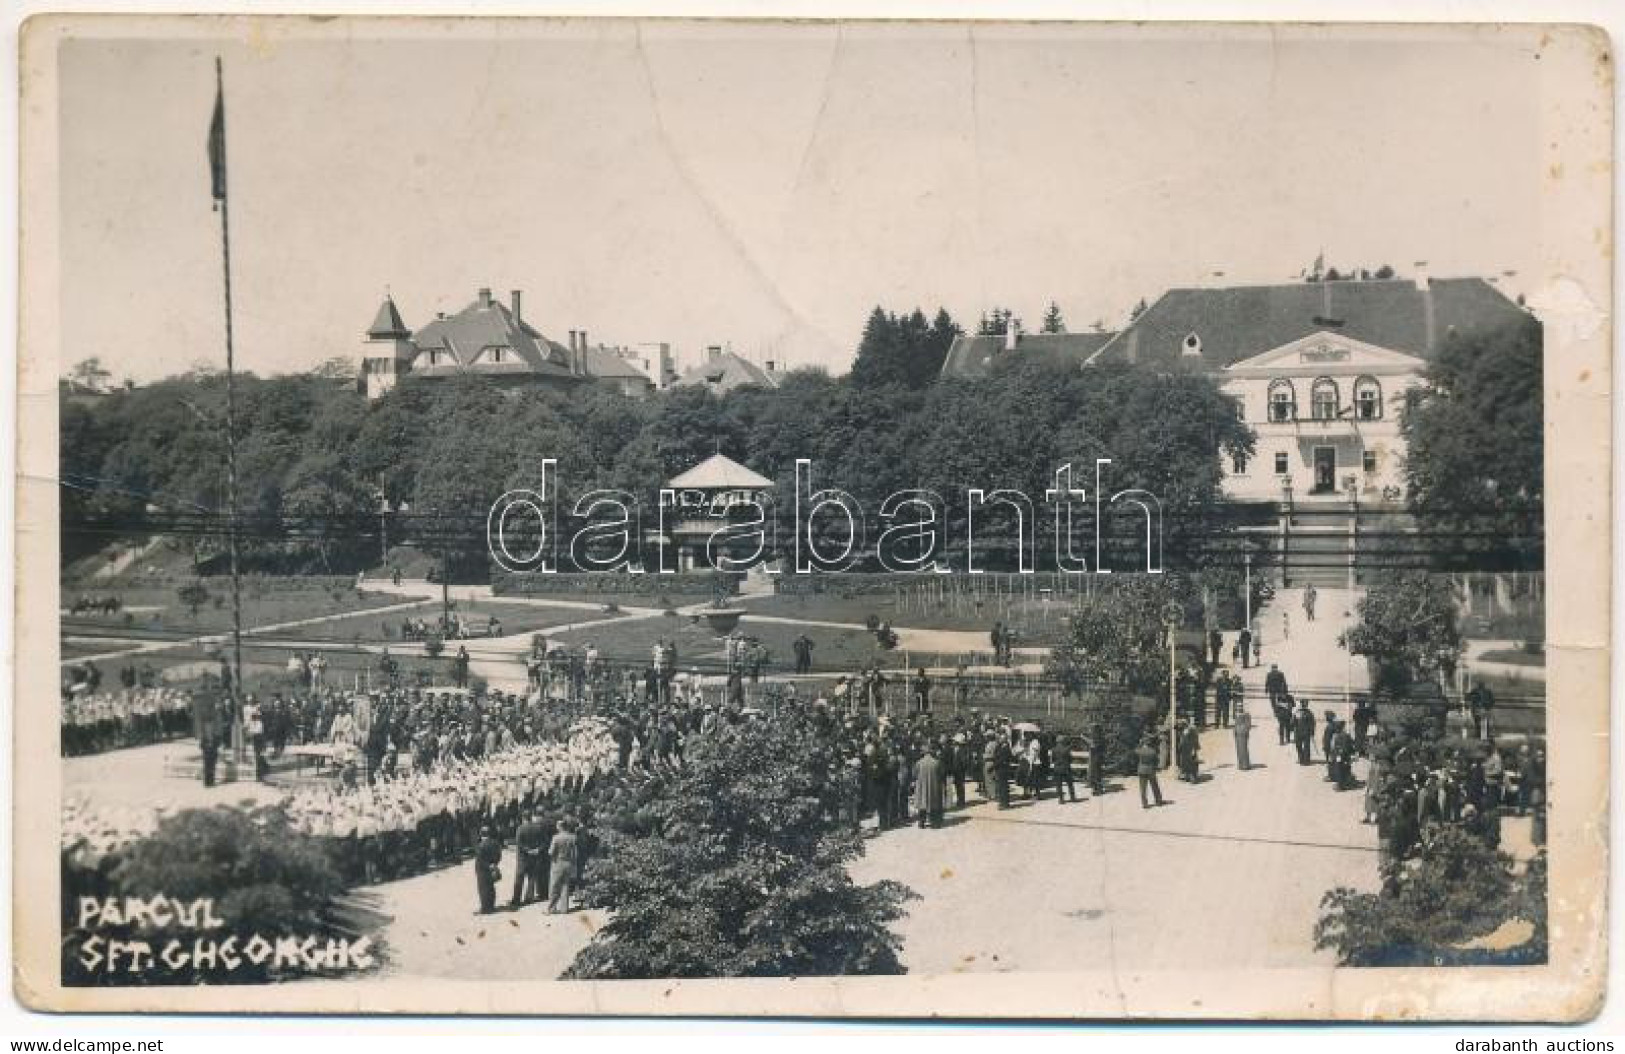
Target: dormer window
[[1192, 345]]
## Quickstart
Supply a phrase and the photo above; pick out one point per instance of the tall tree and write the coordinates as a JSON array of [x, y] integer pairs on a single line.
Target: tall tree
[[1053, 322], [733, 869], [1475, 459]]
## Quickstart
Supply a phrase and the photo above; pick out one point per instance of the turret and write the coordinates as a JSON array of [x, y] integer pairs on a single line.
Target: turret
[[388, 351]]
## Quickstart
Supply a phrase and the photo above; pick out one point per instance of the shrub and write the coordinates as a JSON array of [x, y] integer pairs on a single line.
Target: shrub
[[434, 645], [262, 874], [1458, 889]]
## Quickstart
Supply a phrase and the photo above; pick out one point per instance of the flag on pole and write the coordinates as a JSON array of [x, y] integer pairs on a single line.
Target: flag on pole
[[217, 138]]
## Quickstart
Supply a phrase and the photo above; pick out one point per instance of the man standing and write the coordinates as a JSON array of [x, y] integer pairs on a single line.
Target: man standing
[[206, 725], [804, 649], [564, 854], [1309, 595], [1241, 730], [1061, 770], [1097, 759], [1190, 756], [997, 768], [487, 869], [1215, 646], [1480, 701], [1303, 730], [1145, 761], [1365, 712], [1275, 684], [930, 788], [527, 866], [922, 692], [1245, 643]]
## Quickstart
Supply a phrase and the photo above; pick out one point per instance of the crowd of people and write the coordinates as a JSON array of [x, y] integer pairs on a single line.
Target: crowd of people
[[131, 717]]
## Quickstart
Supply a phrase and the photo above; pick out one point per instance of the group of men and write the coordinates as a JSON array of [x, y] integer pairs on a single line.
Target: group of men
[[96, 721]]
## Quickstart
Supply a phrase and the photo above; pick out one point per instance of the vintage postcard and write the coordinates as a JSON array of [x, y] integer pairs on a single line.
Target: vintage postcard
[[821, 519]]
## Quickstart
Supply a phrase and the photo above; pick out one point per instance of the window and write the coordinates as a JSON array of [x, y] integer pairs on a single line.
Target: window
[[1367, 399], [1283, 406], [1238, 464], [1280, 464], [1192, 344], [1239, 404], [1368, 461], [1323, 400], [496, 353]]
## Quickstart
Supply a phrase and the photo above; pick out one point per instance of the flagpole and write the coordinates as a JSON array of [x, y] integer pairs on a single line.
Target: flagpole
[[231, 430]]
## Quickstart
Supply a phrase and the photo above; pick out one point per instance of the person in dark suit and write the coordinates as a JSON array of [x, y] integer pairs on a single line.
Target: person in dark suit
[[1275, 683], [487, 869], [528, 882], [206, 726], [1061, 769], [1303, 731], [1245, 646], [1145, 765]]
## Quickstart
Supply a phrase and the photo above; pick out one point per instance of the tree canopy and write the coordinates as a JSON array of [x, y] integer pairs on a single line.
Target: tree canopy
[[1475, 435]]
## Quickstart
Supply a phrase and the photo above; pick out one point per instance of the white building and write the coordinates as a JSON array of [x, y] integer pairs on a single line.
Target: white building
[[1319, 370]]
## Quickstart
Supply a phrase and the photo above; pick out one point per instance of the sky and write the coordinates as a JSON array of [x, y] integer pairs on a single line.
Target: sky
[[762, 186]]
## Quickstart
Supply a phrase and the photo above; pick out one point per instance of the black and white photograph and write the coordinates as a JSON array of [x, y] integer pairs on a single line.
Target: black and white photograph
[[930, 519]]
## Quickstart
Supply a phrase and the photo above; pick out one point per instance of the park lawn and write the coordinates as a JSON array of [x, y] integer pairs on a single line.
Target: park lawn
[[378, 628], [634, 640], [1036, 622], [265, 666], [281, 600]]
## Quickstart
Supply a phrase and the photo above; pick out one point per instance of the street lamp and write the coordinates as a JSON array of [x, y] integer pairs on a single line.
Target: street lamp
[[1172, 616], [1247, 589]]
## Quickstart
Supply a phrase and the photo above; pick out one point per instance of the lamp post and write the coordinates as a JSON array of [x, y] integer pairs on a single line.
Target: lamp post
[[1172, 616], [1247, 589]]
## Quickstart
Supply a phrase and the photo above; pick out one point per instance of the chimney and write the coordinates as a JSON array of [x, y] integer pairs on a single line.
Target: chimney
[[485, 298], [513, 296], [713, 353], [1009, 334], [769, 364], [583, 344], [572, 345], [668, 366], [1423, 281]]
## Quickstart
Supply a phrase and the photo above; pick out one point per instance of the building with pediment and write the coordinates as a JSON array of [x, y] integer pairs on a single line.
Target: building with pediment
[[1319, 370]]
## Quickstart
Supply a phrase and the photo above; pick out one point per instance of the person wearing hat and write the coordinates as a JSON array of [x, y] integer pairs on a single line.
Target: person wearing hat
[[1190, 751], [1061, 769], [487, 868], [930, 788], [1303, 730], [1145, 766], [1241, 729]]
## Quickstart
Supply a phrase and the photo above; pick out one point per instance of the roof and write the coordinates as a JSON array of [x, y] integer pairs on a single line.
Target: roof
[[387, 323], [1230, 324], [973, 357], [605, 364], [726, 372], [719, 473], [488, 323]]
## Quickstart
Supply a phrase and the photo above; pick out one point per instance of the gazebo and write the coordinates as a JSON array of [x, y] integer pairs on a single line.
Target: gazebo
[[708, 496]]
